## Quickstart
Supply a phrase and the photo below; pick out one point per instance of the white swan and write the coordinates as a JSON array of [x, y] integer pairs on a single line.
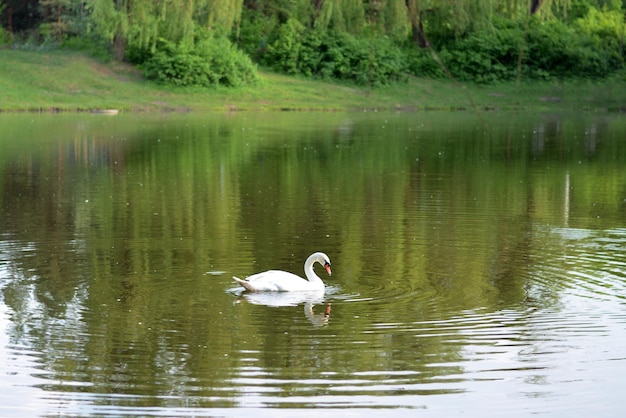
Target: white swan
[[282, 281]]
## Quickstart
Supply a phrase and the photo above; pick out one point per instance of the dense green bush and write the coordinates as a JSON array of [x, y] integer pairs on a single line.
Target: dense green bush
[[606, 30], [562, 51], [422, 64], [484, 57], [138, 55], [209, 62], [331, 55], [550, 49], [254, 32], [283, 52]]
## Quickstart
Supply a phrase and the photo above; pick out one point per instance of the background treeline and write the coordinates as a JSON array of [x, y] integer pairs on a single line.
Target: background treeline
[[373, 42]]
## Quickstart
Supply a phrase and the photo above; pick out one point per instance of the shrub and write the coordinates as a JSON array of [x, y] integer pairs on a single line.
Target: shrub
[[486, 56], [210, 62], [422, 64], [331, 55], [564, 51], [606, 30], [551, 50], [138, 55], [254, 33], [229, 65], [283, 53], [5, 37]]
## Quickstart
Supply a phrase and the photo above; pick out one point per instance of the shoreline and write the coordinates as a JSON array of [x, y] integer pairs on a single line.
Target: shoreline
[[66, 81]]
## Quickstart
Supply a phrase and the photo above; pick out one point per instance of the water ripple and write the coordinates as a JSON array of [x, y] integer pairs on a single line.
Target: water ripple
[[583, 263]]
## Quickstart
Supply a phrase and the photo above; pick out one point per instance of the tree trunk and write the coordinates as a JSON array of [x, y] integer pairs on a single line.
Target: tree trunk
[[59, 23], [120, 39], [534, 6], [417, 28], [419, 37], [119, 47]]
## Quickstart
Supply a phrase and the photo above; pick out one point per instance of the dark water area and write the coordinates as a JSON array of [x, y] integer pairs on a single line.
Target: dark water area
[[479, 264]]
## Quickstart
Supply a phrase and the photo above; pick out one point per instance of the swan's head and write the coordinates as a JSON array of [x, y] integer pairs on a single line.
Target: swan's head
[[325, 261]]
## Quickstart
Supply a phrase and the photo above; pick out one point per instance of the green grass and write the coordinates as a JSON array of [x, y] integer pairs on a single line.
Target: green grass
[[70, 81]]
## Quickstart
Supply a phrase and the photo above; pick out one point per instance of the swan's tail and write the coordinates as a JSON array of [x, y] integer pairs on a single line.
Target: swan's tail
[[245, 284]]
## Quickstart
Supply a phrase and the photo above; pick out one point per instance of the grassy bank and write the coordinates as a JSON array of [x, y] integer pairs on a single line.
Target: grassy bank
[[70, 81]]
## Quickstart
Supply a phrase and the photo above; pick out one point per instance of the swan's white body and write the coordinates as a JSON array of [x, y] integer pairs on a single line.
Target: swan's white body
[[282, 281]]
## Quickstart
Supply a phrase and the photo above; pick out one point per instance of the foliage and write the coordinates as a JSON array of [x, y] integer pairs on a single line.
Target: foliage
[[358, 40], [141, 23], [561, 51], [580, 8], [421, 63], [603, 25], [5, 37], [335, 55], [485, 56], [55, 25], [550, 49], [343, 15], [253, 32], [283, 53], [210, 62]]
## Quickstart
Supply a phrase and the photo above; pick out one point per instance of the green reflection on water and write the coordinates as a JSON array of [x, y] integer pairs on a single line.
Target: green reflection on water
[[123, 232]]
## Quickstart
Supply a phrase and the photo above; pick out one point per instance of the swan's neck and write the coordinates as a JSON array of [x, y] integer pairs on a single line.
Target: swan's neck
[[310, 273]]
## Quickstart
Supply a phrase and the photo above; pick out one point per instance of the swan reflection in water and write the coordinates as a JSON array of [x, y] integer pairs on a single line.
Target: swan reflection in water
[[285, 299]]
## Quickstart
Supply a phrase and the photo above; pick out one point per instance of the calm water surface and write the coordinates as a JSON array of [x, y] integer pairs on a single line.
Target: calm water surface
[[479, 264]]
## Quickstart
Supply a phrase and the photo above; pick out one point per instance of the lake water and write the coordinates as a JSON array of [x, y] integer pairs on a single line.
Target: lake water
[[479, 264]]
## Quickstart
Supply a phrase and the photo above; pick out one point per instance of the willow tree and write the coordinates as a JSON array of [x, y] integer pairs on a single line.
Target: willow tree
[[124, 22], [140, 23], [388, 17], [455, 18], [339, 15], [222, 16]]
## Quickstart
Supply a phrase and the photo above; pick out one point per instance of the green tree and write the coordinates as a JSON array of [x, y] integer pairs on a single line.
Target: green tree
[[221, 16], [20, 15], [140, 23], [452, 19], [55, 24], [341, 16]]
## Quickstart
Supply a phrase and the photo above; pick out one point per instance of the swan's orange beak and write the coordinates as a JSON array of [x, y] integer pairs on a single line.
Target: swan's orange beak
[[327, 267]]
